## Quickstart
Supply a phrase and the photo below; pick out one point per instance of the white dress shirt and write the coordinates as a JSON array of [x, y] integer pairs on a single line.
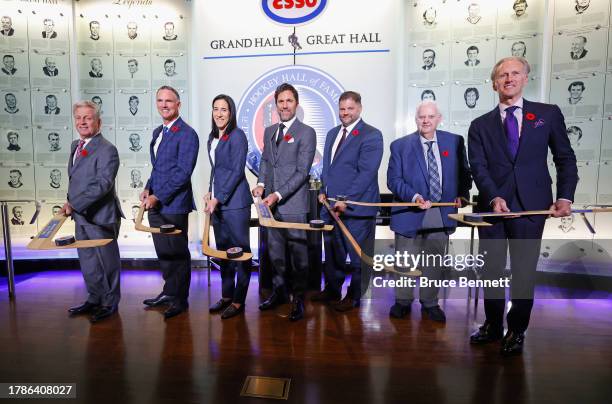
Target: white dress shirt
[[518, 113], [161, 135], [349, 129], [213, 148], [287, 126], [87, 140]]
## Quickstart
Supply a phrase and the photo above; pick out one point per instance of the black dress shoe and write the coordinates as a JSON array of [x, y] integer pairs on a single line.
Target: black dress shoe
[[220, 305], [232, 311], [434, 313], [399, 310], [102, 313], [297, 310], [85, 308], [325, 296], [486, 334], [175, 309], [346, 304], [158, 300], [512, 344], [274, 300]]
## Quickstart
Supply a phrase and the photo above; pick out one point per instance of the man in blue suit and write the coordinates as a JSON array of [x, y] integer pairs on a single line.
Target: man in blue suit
[[426, 166], [168, 197], [351, 158], [508, 150]]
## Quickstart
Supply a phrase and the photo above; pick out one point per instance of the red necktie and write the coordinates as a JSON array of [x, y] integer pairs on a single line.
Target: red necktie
[[79, 150]]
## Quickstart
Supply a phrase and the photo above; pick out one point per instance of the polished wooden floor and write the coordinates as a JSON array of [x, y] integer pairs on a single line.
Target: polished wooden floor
[[360, 357]]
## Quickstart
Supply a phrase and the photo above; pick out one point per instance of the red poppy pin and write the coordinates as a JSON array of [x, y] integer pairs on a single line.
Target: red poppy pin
[[445, 153], [529, 116], [225, 137], [355, 132], [288, 138], [83, 153], [174, 128]]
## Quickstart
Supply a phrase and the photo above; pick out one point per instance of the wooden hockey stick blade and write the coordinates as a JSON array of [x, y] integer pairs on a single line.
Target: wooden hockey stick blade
[[207, 250], [141, 227], [266, 219], [364, 257], [393, 204], [44, 239], [459, 217]]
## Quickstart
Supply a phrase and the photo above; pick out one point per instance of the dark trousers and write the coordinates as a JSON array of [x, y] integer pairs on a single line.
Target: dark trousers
[[522, 236], [289, 244], [431, 239], [232, 230], [173, 253], [337, 247], [100, 266]]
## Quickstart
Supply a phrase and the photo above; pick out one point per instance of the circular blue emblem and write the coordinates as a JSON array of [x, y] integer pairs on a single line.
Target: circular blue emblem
[[318, 108]]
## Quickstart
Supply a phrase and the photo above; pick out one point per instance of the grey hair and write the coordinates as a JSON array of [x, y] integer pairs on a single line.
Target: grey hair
[[519, 59], [87, 104], [427, 103]]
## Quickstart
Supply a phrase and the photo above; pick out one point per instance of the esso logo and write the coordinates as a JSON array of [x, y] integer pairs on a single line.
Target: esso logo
[[293, 12]]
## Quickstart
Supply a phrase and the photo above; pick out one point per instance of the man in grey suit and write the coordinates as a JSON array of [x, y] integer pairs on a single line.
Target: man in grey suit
[[95, 208], [289, 148]]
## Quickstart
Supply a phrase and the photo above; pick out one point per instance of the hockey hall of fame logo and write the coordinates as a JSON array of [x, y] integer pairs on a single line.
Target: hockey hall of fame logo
[[317, 108]]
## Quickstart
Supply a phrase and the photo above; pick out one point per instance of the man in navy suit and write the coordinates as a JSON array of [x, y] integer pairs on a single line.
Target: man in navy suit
[[351, 158], [426, 166], [508, 150], [168, 197]]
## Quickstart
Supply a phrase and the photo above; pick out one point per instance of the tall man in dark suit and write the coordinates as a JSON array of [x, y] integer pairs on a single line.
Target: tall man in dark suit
[[508, 148], [168, 197], [351, 159], [95, 208], [427, 166], [289, 148]]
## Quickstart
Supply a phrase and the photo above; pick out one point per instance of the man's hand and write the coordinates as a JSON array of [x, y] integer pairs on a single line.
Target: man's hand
[[150, 202], [423, 204], [460, 202], [66, 209], [211, 205], [257, 191], [499, 205], [322, 198], [561, 208], [207, 197], [271, 199], [340, 207], [144, 195]]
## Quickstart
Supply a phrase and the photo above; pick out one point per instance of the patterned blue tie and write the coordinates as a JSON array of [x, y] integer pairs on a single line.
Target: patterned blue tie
[[512, 130], [435, 191]]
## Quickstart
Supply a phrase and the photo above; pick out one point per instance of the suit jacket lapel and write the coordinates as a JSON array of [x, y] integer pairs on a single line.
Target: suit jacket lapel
[[73, 148], [443, 146], [330, 146], [526, 127], [417, 149], [495, 122], [349, 137], [167, 136], [151, 146], [90, 147]]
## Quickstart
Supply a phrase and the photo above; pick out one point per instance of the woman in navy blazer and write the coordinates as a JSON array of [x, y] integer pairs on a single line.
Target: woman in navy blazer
[[229, 203]]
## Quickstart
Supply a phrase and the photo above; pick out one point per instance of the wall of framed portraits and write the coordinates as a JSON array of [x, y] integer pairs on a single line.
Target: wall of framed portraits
[[57, 52]]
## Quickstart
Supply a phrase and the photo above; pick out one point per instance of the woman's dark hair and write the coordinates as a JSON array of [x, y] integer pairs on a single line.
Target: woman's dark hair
[[231, 124]]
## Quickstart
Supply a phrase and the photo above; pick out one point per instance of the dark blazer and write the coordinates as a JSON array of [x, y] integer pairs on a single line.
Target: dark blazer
[[170, 179], [497, 174], [9, 72], [48, 111], [95, 75], [53, 34], [285, 169], [91, 185], [50, 73], [407, 175], [354, 171], [227, 174], [9, 33]]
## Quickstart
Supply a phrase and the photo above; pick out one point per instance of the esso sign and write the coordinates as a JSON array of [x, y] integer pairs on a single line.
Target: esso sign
[[293, 12]]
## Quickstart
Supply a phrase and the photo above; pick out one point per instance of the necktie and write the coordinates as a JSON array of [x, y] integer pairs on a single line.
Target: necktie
[[279, 136], [79, 150], [342, 139], [512, 130], [435, 191]]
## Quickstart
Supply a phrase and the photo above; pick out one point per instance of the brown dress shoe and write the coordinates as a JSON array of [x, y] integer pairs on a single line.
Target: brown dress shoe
[[346, 304]]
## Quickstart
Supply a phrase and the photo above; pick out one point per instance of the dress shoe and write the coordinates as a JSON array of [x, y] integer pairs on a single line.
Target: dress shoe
[[220, 305], [346, 304], [512, 344], [434, 313], [158, 300], [85, 308], [274, 300], [297, 310], [399, 310], [102, 313], [325, 296], [485, 334], [232, 311], [175, 309]]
